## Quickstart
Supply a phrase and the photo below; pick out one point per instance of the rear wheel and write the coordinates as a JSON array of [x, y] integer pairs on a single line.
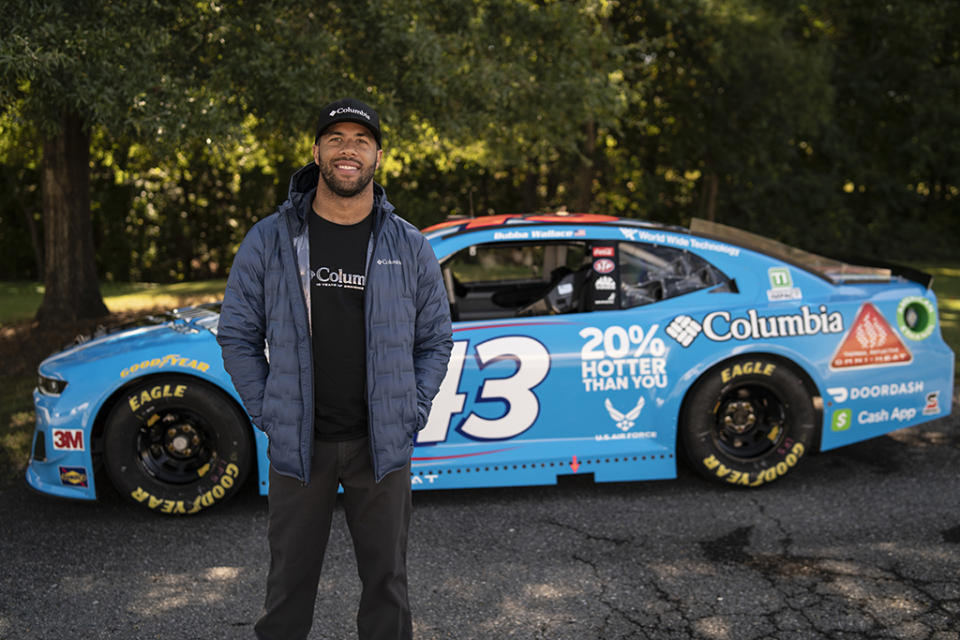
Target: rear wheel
[[177, 445], [748, 422]]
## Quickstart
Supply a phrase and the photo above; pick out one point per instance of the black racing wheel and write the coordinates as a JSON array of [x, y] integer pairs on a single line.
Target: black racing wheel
[[748, 422], [177, 445]]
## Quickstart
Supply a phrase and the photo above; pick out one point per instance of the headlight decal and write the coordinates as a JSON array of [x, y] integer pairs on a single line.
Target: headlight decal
[[50, 386]]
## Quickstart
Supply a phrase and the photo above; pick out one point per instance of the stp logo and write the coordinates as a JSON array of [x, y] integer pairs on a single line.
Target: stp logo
[[68, 440], [604, 265]]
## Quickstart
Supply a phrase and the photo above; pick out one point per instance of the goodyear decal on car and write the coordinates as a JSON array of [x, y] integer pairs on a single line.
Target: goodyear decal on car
[[871, 342], [73, 476], [169, 360], [722, 326]]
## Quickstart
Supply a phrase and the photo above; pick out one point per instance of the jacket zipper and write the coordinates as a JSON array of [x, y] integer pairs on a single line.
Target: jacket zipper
[[379, 222], [305, 314]]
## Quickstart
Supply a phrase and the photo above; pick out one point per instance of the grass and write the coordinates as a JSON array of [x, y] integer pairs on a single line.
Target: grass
[[19, 300], [946, 284]]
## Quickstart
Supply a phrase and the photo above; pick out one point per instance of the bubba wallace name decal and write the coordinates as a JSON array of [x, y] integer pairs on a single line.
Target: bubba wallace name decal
[[720, 326]]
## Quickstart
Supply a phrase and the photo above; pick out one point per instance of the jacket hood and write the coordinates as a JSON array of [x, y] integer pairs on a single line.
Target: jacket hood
[[304, 182]]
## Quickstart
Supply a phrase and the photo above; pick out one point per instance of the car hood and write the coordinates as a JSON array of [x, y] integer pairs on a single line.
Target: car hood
[[146, 332]]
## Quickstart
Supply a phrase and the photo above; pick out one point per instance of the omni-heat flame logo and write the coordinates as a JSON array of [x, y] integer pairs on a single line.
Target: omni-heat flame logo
[[870, 332]]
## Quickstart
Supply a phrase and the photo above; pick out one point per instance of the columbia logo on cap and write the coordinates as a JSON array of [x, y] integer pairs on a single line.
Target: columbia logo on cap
[[350, 110], [342, 110]]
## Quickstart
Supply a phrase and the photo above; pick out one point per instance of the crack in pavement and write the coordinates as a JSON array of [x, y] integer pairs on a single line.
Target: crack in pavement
[[589, 535], [847, 596]]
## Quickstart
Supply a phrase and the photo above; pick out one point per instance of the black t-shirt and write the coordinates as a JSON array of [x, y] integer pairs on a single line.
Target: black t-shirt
[[337, 266]]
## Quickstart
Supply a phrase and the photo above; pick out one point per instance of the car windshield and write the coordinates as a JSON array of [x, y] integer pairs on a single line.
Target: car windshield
[[833, 270]]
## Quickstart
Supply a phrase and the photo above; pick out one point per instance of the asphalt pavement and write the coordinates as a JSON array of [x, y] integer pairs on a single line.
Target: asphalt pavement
[[861, 542]]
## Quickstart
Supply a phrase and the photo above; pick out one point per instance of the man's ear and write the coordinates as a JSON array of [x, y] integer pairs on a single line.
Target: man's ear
[[316, 155]]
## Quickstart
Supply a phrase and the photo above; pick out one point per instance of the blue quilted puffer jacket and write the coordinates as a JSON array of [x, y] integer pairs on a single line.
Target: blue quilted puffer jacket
[[267, 303]]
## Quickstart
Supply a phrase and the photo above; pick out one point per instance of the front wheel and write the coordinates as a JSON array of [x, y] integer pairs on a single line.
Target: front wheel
[[748, 422], [177, 445]]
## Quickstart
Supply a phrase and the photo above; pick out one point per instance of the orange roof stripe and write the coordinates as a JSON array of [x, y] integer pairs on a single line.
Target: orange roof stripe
[[504, 218]]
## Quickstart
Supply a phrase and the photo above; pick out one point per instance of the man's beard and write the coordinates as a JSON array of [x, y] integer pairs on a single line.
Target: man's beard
[[344, 188]]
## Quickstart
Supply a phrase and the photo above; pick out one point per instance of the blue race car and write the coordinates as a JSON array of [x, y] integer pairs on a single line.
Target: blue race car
[[583, 344]]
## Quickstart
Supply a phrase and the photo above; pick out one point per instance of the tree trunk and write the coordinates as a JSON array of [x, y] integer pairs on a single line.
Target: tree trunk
[[708, 196], [35, 242], [582, 201], [72, 291], [529, 191]]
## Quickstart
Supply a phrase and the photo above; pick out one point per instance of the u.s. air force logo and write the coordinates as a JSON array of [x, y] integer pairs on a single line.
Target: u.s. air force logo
[[624, 420]]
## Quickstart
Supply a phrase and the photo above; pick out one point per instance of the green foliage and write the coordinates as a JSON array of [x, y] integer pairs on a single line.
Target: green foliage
[[891, 153], [19, 299], [825, 124]]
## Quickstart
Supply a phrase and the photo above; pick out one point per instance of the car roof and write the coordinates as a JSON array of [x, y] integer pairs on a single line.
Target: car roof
[[457, 226], [831, 270]]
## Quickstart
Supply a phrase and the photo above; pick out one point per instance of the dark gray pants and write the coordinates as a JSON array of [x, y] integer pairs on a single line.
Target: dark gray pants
[[378, 516]]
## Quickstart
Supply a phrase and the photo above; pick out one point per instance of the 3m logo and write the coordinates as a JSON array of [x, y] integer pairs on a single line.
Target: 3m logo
[[68, 439], [871, 342], [684, 330]]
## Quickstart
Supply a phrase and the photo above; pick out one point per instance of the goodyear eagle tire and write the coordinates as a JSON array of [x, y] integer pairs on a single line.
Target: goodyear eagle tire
[[748, 422], [176, 445]]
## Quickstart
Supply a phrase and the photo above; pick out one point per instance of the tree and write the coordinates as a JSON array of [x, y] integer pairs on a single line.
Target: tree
[[67, 68], [167, 74], [723, 94], [890, 156]]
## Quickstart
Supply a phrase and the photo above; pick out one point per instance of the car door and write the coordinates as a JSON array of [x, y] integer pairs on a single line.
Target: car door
[[559, 364]]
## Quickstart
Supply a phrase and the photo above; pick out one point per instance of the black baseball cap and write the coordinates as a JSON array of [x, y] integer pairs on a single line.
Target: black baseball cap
[[349, 110]]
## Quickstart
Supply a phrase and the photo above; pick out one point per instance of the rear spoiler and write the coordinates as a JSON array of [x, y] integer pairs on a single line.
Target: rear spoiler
[[914, 275]]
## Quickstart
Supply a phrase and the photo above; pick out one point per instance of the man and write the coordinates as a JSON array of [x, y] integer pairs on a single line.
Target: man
[[335, 329]]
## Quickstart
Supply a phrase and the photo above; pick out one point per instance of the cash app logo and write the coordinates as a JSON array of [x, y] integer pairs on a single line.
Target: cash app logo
[[841, 419]]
